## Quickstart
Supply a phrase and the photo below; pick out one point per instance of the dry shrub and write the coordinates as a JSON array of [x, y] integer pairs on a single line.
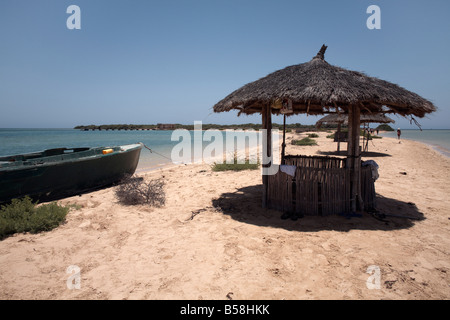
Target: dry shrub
[[134, 190]]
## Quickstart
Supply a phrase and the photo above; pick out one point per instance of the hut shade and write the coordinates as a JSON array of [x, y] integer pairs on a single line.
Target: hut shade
[[343, 119], [316, 87]]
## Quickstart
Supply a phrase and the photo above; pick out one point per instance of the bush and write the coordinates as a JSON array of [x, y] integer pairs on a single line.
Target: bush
[[133, 190], [384, 127], [313, 135], [22, 215], [304, 142], [235, 166]]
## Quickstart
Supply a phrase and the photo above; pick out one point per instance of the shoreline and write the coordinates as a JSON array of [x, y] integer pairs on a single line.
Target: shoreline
[[442, 151], [439, 147]]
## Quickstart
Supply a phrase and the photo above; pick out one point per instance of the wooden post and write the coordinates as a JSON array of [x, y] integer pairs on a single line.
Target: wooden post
[[283, 146], [339, 137], [354, 156], [266, 148], [357, 124], [350, 139], [366, 137]]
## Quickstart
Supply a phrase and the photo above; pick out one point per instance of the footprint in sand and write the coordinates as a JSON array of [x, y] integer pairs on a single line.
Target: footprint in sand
[[232, 250]]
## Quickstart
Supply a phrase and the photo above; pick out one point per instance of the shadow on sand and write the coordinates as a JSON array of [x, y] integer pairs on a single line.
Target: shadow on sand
[[245, 205], [363, 154]]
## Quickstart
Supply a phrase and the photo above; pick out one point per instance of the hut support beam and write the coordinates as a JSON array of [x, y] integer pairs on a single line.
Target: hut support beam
[[354, 157], [339, 138], [283, 146], [266, 148]]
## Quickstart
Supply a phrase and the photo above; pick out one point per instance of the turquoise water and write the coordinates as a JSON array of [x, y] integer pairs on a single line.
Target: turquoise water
[[438, 139], [17, 141]]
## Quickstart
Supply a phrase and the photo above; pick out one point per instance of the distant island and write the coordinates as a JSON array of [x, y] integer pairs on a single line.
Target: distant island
[[167, 126], [246, 126]]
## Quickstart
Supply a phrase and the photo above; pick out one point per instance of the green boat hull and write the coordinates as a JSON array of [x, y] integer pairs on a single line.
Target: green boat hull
[[58, 173]]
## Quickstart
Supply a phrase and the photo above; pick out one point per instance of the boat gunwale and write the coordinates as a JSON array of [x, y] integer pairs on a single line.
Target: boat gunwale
[[41, 161]]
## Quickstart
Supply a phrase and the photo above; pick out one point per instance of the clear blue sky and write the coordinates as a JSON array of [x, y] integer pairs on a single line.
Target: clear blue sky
[[146, 62]]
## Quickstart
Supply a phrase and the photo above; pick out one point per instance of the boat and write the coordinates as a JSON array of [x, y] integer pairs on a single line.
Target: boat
[[62, 172]]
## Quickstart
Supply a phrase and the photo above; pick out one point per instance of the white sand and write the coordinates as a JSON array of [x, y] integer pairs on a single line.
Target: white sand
[[213, 239]]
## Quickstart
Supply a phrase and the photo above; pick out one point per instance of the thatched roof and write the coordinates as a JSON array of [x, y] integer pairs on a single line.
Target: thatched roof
[[343, 119], [316, 87]]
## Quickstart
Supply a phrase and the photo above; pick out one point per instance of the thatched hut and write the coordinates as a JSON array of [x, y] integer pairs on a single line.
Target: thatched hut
[[342, 119], [314, 88]]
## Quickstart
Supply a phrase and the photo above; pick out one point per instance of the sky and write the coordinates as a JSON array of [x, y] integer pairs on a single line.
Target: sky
[[148, 62]]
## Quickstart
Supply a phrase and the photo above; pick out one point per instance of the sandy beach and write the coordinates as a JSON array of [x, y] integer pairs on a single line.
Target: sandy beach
[[212, 239]]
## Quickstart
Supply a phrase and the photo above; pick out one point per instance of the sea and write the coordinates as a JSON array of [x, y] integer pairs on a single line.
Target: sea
[[439, 139], [157, 153], [19, 141]]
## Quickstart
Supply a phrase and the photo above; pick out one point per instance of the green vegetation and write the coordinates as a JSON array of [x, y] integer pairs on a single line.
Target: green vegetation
[[384, 127], [235, 166], [307, 141], [117, 127], [313, 135], [22, 215], [246, 126]]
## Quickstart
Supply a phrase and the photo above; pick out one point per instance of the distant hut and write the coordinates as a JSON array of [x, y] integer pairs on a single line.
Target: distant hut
[[321, 185], [342, 119]]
